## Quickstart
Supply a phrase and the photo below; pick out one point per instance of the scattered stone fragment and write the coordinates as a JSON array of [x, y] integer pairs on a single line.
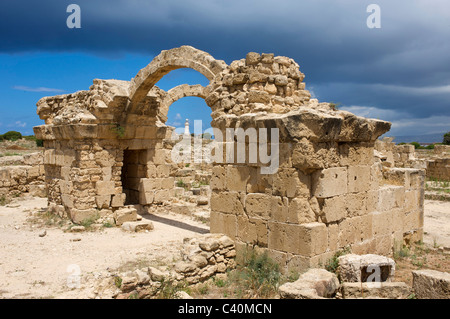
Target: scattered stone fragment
[[314, 284], [182, 295], [375, 290], [77, 229], [364, 268], [137, 226], [43, 233], [431, 284]]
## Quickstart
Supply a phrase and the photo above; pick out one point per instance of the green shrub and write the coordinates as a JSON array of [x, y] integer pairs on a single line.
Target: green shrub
[[416, 145], [257, 273], [39, 143], [12, 136], [333, 263], [446, 139]]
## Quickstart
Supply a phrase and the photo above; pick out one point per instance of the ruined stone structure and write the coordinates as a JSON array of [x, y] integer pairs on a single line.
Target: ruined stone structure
[[105, 149]]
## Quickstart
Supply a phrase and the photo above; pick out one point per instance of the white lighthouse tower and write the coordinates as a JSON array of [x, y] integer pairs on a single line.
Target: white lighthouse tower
[[186, 127]]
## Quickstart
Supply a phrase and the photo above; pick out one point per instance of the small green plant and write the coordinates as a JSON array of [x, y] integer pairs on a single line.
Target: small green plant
[[133, 295], [118, 282], [219, 282], [118, 130], [333, 263], [107, 225], [168, 289], [3, 200], [403, 252], [334, 106], [180, 183], [256, 274], [204, 289], [87, 223], [187, 165]]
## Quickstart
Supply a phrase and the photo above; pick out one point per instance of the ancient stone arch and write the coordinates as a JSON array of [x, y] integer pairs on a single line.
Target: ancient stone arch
[[105, 150], [179, 92]]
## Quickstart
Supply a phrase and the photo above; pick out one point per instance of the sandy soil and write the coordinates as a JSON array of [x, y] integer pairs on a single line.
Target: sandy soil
[[44, 267], [47, 267], [437, 223]]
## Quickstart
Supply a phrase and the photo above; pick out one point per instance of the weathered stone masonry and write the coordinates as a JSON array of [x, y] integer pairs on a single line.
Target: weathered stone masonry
[[105, 149]]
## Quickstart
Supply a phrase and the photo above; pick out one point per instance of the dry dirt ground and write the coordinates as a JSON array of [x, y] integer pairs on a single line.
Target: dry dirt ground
[[32, 266], [46, 267]]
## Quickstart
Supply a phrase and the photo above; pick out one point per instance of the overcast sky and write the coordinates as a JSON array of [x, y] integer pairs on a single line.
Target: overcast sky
[[399, 72]]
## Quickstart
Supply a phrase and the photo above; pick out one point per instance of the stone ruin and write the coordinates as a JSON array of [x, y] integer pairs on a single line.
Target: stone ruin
[[106, 153], [436, 163]]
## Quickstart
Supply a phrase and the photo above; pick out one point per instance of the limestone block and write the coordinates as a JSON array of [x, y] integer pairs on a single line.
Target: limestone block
[[226, 202], [390, 196], [366, 268], [382, 223], [375, 290], [314, 284], [333, 209], [333, 236], [347, 231], [33, 172], [218, 181], [149, 184], [105, 187], [291, 183], [306, 239], [137, 226], [118, 200], [223, 223], [67, 200], [356, 204], [236, 178], [125, 214], [103, 201], [162, 195], [38, 190], [431, 284], [358, 178], [329, 182], [79, 215], [300, 211], [258, 205]]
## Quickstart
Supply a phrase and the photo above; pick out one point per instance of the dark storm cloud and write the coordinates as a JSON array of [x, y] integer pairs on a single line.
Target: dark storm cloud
[[342, 58]]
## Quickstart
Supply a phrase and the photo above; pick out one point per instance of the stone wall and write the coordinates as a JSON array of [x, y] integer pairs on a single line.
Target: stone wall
[[439, 168], [22, 174], [108, 147]]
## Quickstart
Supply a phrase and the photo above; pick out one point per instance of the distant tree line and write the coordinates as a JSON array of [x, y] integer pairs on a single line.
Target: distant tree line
[[15, 136], [445, 141]]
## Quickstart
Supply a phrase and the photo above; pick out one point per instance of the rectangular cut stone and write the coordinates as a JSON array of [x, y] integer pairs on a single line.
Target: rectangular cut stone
[[390, 197], [329, 182], [236, 178], [306, 239], [333, 209], [358, 178], [223, 223], [105, 187], [226, 202], [146, 198]]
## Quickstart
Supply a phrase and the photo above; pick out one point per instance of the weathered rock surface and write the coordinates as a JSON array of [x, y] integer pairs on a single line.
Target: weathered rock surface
[[365, 268], [314, 284], [431, 284], [375, 290], [137, 226]]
